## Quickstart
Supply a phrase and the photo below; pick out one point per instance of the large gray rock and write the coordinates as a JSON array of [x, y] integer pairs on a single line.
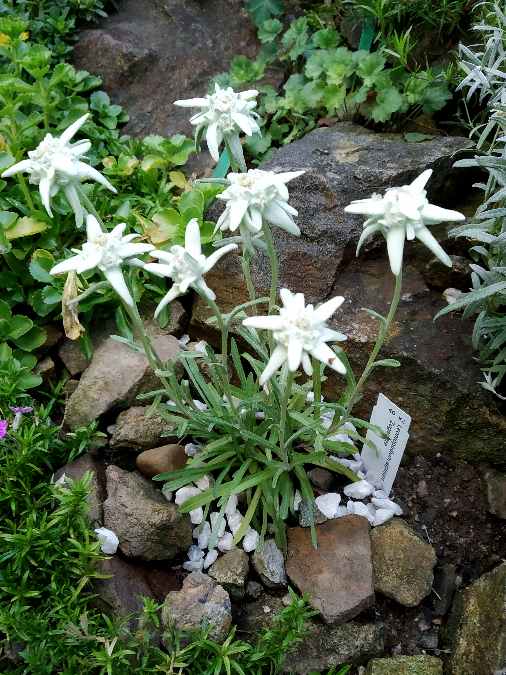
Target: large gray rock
[[184, 44], [138, 427], [403, 563], [76, 471], [116, 375], [336, 576], [269, 564], [200, 602], [147, 526], [477, 628], [325, 647], [437, 383]]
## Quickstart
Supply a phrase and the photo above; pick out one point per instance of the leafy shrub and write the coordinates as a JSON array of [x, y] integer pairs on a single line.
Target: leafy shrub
[[485, 73]]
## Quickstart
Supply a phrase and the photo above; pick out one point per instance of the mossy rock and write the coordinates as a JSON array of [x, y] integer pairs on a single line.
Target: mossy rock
[[406, 665]]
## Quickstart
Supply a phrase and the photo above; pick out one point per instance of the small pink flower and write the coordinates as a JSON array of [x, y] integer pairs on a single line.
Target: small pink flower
[[3, 428]]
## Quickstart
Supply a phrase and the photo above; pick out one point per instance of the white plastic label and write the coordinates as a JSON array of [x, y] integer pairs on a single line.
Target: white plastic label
[[382, 456]]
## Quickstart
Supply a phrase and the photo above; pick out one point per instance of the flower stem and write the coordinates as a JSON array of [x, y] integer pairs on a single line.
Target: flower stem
[[317, 388], [246, 270], [26, 192], [380, 340], [288, 378], [88, 205], [273, 259]]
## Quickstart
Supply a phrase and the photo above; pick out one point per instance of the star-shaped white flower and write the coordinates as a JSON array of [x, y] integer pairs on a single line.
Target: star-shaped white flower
[[300, 331], [56, 165], [186, 265], [106, 251], [256, 196], [224, 114], [404, 213]]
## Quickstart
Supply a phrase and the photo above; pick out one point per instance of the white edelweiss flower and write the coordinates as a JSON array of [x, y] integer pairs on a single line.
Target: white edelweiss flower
[[224, 114], [250, 541], [107, 251], [195, 560], [108, 539], [300, 331], [328, 504], [186, 265], [55, 165], [256, 196], [404, 213], [359, 490]]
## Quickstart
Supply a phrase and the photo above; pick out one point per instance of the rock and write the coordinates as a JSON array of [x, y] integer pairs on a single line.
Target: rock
[[96, 495], [406, 665], [403, 563], [204, 38], [200, 602], [126, 583], [253, 617], [73, 358], [53, 336], [477, 628], [309, 513], [437, 383], [322, 478], [148, 527], [496, 492], [177, 318], [445, 581], [441, 277], [269, 564], [337, 576], [138, 427], [45, 368], [116, 375], [161, 460], [325, 647], [231, 571], [254, 590]]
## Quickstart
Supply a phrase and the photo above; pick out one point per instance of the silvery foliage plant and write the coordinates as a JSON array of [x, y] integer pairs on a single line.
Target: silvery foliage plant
[[255, 421], [484, 67]]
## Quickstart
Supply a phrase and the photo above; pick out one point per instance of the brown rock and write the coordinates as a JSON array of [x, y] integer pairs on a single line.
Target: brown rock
[[337, 576], [496, 492], [139, 427], [45, 368], [322, 478], [200, 602], [127, 582], [231, 571], [116, 375], [403, 563], [76, 470], [161, 460], [147, 526], [421, 664], [204, 38], [72, 356]]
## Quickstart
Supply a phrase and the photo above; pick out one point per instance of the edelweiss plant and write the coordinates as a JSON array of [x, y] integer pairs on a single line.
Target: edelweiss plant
[[253, 424]]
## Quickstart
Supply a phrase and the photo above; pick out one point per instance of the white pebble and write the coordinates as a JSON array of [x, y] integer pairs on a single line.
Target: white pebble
[[203, 483], [250, 541], [359, 490], [234, 521], [217, 524], [185, 493], [197, 516], [328, 504], [108, 539], [210, 558], [226, 542], [231, 506]]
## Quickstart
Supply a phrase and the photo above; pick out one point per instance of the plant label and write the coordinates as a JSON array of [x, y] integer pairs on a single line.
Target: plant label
[[382, 456]]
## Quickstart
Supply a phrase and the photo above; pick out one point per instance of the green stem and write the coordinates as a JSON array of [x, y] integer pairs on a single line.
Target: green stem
[[380, 340], [88, 205], [26, 192], [317, 388], [273, 259], [288, 377], [246, 270]]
